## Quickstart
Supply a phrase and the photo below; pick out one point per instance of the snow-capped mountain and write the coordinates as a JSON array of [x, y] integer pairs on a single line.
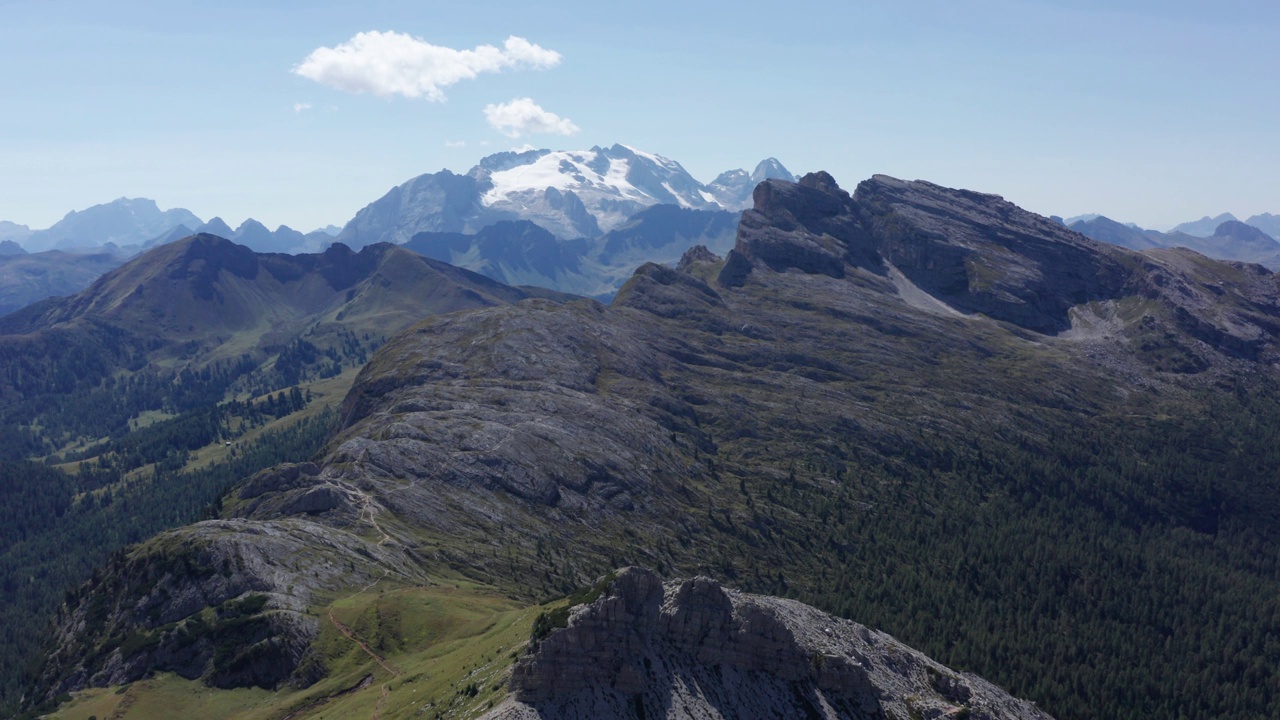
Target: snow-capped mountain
[[732, 189], [570, 193], [611, 184]]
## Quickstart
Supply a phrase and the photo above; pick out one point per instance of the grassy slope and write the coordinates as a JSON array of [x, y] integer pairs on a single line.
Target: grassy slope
[[436, 643]]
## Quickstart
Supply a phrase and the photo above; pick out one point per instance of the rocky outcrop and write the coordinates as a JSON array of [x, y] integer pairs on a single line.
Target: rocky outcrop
[[980, 255], [225, 601], [695, 649], [974, 252], [698, 254]]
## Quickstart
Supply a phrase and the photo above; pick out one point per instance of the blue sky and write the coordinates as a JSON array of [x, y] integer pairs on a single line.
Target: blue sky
[[1150, 112]]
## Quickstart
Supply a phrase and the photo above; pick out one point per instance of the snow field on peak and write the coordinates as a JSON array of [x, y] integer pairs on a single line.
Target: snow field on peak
[[548, 172]]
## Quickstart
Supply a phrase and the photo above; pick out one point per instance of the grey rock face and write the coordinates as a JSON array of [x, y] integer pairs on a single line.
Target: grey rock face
[[695, 649], [439, 202], [257, 577], [696, 255], [979, 254]]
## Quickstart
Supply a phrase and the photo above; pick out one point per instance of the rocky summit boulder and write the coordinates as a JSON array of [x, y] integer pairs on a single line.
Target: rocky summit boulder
[[693, 648]]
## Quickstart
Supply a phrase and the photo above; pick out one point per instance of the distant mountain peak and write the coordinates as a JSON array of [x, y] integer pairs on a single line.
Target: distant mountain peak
[[251, 225], [571, 193], [769, 169], [216, 226], [13, 231], [1242, 232], [124, 221], [1267, 223], [1205, 226], [733, 188], [610, 184]]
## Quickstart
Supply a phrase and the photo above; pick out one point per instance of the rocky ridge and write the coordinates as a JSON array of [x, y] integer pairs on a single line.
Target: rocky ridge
[[1229, 240], [227, 604], [693, 648], [257, 237], [27, 278]]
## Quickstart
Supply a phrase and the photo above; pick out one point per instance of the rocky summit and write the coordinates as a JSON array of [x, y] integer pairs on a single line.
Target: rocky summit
[[693, 648], [920, 407]]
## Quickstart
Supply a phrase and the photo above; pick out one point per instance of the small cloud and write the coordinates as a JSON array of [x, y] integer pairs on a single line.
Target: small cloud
[[455, 143], [523, 117], [523, 148], [301, 107], [391, 63]]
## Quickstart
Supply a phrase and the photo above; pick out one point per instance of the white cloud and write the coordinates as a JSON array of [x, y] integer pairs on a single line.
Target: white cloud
[[522, 116], [301, 107], [455, 143], [390, 63]]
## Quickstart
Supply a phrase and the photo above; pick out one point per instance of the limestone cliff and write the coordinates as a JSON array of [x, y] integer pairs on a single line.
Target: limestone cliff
[[694, 649]]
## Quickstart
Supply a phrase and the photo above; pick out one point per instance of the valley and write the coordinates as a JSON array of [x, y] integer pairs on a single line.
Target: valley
[[135, 405], [1032, 456]]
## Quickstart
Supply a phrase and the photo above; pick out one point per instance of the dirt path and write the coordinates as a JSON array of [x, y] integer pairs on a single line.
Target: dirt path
[[123, 708], [386, 690], [382, 699], [369, 512], [346, 631]]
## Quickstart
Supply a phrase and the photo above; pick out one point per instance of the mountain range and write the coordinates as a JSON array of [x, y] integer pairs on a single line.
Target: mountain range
[[126, 221], [571, 194], [1205, 226], [257, 237], [211, 291], [576, 196], [1230, 239], [1028, 453], [105, 236]]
